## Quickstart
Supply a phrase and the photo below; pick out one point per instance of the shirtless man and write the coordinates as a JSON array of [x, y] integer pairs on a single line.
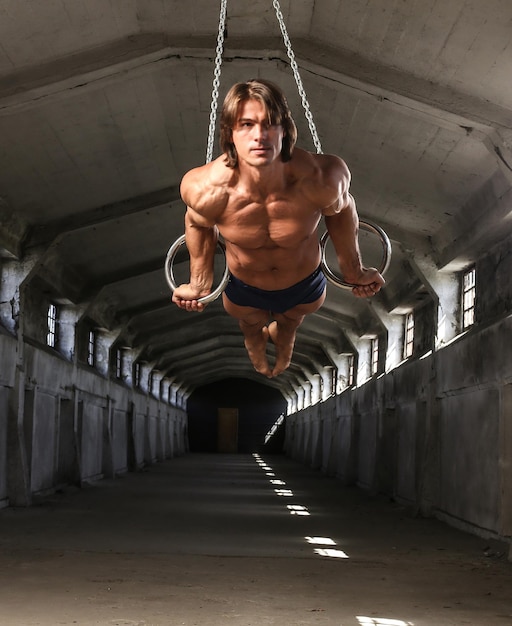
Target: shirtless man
[[266, 198]]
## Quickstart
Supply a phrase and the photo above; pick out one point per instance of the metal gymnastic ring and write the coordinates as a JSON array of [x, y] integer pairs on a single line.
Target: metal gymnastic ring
[[169, 271], [386, 254]]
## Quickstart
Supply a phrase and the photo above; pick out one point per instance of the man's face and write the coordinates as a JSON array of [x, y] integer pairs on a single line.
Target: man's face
[[257, 142]]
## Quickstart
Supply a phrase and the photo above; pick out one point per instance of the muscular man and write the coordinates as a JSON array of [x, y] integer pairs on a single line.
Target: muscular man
[[266, 198]]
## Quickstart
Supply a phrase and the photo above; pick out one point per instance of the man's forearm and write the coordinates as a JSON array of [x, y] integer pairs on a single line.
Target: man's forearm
[[201, 243], [343, 231]]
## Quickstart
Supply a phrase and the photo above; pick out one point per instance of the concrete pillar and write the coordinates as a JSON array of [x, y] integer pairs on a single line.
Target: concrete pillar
[[505, 463], [12, 295], [105, 340], [444, 288], [108, 469], [69, 315], [394, 328], [14, 280], [316, 393], [156, 388], [18, 461], [362, 346]]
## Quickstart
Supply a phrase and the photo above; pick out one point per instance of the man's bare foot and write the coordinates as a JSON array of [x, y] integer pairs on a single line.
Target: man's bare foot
[[284, 340], [256, 346]]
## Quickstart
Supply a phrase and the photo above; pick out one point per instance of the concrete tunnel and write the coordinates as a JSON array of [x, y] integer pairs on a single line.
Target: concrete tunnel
[[148, 474]]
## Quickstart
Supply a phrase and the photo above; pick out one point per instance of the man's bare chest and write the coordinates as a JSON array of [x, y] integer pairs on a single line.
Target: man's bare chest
[[270, 221]]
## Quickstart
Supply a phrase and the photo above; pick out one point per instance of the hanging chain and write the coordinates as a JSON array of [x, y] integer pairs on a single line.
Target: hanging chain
[[216, 80], [217, 72], [297, 77]]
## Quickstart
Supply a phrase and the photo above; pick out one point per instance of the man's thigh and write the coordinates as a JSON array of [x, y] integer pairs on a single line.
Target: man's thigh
[[301, 310], [251, 315], [247, 314]]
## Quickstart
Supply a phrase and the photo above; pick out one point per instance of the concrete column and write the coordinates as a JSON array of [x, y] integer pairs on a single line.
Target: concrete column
[[105, 341], [362, 346], [18, 461], [444, 288], [394, 327], [69, 315], [14, 278], [156, 389], [12, 295], [108, 456], [308, 394], [316, 393], [505, 463]]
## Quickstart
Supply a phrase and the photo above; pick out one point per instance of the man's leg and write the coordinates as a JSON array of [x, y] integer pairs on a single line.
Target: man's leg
[[253, 324], [283, 331]]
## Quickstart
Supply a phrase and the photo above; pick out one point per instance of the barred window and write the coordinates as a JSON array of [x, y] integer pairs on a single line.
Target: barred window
[[91, 348], [350, 378], [51, 335], [374, 362], [119, 363], [409, 335], [136, 374], [334, 379], [468, 298]]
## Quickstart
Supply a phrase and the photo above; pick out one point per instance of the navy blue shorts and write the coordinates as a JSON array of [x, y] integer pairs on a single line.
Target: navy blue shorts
[[279, 300]]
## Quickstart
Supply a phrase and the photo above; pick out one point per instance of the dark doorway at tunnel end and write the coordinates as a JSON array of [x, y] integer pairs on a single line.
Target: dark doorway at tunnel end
[[261, 410]]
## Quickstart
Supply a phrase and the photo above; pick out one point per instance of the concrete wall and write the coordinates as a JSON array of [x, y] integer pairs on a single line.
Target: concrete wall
[[64, 423], [434, 433]]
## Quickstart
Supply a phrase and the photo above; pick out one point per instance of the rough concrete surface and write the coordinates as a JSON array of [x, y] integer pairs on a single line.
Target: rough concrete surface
[[207, 540]]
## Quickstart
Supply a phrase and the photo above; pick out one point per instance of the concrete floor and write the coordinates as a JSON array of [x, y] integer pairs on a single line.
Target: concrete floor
[[207, 540]]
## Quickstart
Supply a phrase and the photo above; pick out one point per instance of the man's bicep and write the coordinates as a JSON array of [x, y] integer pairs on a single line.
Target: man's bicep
[[196, 219], [337, 178], [342, 202]]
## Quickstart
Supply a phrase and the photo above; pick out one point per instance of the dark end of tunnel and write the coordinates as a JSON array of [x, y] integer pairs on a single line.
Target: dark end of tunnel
[[255, 409]]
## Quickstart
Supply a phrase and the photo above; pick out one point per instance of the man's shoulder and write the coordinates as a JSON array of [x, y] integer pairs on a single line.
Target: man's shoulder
[[318, 166], [214, 173], [317, 161], [207, 185]]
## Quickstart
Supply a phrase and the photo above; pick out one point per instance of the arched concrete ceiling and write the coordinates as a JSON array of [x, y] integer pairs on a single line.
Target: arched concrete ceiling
[[105, 105]]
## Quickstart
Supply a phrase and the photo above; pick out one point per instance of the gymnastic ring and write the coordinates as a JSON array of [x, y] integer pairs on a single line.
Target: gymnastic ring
[[169, 271], [386, 254]]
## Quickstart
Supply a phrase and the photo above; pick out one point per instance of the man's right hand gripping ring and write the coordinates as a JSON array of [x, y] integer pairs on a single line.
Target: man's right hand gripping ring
[[169, 270]]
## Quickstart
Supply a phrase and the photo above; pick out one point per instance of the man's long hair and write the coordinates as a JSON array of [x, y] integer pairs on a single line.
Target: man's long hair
[[276, 106]]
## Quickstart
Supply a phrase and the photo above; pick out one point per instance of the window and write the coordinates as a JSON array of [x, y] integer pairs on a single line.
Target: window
[[119, 363], [91, 348], [409, 335], [468, 298], [334, 379], [51, 335], [350, 377], [374, 355], [136, 375]]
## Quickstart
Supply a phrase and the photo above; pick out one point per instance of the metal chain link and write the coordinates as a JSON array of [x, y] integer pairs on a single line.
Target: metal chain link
[[216, 80], [217, 72], [296, 74]]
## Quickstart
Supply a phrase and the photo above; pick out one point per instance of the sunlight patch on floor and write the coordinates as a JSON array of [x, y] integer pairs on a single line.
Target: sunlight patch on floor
[[297, 509], [381, 621], [301, 510], [322, 546]]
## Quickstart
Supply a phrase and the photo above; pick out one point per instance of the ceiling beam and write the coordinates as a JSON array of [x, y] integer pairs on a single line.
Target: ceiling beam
[[47, 233], [441, 104]]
